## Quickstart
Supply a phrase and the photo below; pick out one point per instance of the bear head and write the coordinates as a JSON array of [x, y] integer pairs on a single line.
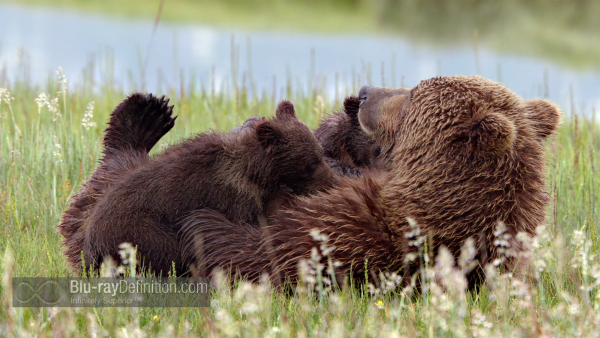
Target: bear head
[[295, 158], [343, 139], [467, 153]]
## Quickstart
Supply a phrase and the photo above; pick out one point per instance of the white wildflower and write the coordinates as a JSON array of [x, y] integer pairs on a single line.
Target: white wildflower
[[467, 261], [62, 78], [502, 242], [44, 100], [87, 122], [5, 96], [414, 234], [314, 272], [319, 106], [583, 247], [480, 325], [57, 148]]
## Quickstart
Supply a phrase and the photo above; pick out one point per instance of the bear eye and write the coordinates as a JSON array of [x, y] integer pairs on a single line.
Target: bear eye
[[313, 164], [362, 101], [377, 151]]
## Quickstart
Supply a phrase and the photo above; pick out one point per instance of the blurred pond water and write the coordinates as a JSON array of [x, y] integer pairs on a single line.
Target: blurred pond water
[[34, 42]]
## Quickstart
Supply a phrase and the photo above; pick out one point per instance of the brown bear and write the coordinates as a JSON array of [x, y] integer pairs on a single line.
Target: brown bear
[[466, 153], [348, 149], [135, 126], [237, 174]]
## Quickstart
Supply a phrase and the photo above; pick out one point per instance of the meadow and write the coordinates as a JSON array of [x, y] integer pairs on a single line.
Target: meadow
[[50, 142]]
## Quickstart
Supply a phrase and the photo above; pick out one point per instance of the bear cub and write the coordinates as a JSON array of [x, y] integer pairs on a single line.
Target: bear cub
[[236, 174], [135, 126], [348, 149]]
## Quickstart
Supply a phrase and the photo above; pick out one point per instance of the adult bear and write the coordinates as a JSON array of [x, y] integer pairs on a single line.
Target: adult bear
[[466, 153]]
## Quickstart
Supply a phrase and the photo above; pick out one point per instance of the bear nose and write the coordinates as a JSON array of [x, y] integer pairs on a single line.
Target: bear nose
[[364, 91]]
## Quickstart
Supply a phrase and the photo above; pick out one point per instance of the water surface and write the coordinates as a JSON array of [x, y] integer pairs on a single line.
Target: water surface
[[267, 60]]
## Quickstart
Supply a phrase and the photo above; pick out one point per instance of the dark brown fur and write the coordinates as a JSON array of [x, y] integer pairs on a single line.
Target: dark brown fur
[[350, 214], [237, 174], [348, 149], [134, 127], [467, 153]]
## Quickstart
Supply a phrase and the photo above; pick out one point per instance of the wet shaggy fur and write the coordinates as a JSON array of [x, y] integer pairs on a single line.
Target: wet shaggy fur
[[348, 149], [237, 174], [135, 126], [467, 153]]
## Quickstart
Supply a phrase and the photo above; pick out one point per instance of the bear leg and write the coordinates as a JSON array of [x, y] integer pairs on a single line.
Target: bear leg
[[156, 246], [138, 123]]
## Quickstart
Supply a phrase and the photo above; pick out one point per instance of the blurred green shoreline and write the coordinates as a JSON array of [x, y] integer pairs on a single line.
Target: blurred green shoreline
[[307, 16], [565, 32]]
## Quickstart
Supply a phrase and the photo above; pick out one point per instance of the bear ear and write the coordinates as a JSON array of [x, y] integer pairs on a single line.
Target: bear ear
[[268, 134], [285, 109], [351, 106], [489, 133], [544, 115]]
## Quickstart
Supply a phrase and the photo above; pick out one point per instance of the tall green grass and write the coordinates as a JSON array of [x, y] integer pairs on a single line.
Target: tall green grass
[[50, 146]]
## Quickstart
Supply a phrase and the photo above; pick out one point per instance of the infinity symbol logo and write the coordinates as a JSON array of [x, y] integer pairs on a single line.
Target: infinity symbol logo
[[36, 291]]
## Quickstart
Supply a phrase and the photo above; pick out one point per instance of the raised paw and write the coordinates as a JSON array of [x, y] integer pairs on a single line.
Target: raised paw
[[248, 124], [252, 121], [139, 122]]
